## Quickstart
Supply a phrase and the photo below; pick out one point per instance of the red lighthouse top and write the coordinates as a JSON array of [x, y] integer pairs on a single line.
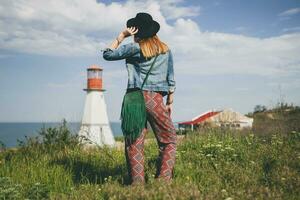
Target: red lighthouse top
[[94, 78]]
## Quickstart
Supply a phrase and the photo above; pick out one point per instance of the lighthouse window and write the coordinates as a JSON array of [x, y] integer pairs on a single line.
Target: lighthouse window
[[92, 74]]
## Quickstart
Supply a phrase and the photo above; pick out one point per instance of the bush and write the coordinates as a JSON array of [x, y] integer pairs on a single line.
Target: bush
[[52, 139], [2, 146], [38, 191], [9, 190]]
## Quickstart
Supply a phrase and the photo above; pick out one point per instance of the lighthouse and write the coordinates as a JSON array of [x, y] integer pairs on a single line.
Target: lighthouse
[[95, 126]]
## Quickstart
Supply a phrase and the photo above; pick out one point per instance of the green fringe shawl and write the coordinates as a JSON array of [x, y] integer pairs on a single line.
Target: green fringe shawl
[[133, 115]]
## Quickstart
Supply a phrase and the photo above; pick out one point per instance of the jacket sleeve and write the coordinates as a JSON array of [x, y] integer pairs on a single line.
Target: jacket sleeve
[[124, 51], [170, 74]]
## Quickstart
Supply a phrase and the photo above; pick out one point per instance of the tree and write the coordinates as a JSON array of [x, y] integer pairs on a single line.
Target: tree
[[259, 108]]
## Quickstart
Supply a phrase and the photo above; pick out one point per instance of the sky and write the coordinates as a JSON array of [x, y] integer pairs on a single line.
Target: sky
[[227, 54]]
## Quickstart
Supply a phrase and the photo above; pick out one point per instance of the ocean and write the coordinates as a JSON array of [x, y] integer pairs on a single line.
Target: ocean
[[11, 132]]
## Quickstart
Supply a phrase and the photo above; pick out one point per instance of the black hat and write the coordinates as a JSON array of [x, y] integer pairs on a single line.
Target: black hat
[[146, 25]]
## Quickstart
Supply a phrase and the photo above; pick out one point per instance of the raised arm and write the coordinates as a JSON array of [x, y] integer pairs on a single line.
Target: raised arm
[[114, 53], [124, 34]]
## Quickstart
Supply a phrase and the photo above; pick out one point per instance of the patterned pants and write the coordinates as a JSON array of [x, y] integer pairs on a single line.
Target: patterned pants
[[162, 125]]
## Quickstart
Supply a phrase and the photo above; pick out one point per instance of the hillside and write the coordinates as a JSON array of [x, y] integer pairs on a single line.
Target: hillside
[[280, 119], [215, 165]]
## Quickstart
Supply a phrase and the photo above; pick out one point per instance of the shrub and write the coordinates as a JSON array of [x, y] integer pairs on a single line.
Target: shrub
[[9, 190], [38, 191], [51, 140], [2, 146]]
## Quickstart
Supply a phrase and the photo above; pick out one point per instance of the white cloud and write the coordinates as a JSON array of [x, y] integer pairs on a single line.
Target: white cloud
[[241, 29], [71, 27], [292, 11], [171, 10], [292, 29], [213, 53], [74, 28]]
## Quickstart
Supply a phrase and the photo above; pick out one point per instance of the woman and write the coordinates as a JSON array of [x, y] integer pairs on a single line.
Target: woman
[[139, 56]]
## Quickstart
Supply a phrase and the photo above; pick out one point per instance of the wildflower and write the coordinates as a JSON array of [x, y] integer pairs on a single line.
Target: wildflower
[[229, 198], [208, 155], [224, 192], [229, 148]]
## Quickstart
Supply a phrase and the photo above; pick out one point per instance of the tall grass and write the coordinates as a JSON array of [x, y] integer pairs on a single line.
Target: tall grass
[[215, 164]]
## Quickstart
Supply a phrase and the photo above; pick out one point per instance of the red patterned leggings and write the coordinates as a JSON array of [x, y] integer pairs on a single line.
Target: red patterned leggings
[[163, 128]]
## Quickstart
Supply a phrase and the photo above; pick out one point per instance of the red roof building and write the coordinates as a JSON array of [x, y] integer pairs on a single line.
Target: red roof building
[[223, 118], [200, 118]]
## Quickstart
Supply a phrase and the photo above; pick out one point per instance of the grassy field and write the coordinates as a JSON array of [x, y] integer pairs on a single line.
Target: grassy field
[[214, 164]]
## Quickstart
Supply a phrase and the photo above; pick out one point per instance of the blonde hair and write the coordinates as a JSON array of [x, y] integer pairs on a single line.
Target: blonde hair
[[152, 46]]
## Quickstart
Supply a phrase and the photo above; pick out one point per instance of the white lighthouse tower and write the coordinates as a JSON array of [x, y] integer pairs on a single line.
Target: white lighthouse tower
[[95, 125]]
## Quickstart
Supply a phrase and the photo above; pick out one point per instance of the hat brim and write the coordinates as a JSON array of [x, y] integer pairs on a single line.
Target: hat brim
[[145, 32]]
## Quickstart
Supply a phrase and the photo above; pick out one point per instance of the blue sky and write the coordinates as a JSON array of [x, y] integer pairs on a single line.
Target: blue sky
[[229, 53], [253, 18]]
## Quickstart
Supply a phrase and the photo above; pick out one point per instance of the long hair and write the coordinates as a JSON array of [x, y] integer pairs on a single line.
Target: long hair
[[152, 46]]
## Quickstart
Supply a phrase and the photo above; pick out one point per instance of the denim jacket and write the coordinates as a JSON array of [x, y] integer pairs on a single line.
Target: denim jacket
[[161, 77]]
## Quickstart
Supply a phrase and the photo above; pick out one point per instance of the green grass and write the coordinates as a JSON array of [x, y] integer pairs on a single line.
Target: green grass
[[216, 164]]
